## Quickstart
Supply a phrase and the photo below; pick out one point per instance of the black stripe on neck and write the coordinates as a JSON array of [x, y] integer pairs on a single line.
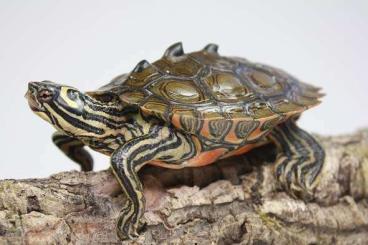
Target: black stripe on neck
[[76, 122]]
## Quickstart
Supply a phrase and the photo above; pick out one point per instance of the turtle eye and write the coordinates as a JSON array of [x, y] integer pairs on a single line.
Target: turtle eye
[[45, 95], [72, 94]]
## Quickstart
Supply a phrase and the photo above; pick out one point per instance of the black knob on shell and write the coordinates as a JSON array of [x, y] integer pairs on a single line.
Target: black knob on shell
[[211, 48], [174, 50], [141, 66]]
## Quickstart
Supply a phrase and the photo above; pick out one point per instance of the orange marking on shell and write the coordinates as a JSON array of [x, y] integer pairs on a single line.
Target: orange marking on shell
[[202, 159], [176, 121], [256, 133], [231, 137], [205, 129], [206, 158]]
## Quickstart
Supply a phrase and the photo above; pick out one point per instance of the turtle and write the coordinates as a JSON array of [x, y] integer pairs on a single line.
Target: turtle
[[185, 110]]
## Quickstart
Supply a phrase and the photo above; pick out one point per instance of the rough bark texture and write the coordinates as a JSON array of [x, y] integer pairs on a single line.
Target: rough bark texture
[[234, 201]]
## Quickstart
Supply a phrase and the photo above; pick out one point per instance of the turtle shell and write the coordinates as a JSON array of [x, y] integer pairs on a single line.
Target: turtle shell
[[221, 98]]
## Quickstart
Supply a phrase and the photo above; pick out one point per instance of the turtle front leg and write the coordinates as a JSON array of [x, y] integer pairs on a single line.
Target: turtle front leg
[[73, 148], [299, 160], [160, 144]]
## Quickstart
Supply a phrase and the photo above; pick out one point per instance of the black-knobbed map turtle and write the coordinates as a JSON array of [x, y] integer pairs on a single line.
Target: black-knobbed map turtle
[[184, 110]]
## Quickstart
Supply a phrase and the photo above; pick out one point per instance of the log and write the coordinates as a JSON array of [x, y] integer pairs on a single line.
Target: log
[[235, 201]]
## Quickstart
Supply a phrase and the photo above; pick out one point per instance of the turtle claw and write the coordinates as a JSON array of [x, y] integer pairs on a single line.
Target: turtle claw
[[134, 236], [301, 192], [126, 227], [131, 234]]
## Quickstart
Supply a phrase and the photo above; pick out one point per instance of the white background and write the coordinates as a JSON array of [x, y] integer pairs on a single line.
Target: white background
[[86, 43]]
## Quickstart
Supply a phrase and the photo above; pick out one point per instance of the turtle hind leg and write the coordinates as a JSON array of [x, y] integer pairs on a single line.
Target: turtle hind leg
[[299, 159]]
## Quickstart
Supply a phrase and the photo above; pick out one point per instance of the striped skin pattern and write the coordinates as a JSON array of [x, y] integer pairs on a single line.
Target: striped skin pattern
[[131, 139], [162, 144], [299, 161], [184, 110]]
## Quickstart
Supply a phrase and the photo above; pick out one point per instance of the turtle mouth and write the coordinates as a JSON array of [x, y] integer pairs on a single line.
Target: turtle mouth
[[32, 102]]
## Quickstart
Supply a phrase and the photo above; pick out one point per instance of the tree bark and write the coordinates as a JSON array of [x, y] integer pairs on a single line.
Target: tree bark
[[236, 200]]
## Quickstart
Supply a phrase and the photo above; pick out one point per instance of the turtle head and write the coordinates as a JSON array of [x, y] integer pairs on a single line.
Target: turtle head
[[73, 112]]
